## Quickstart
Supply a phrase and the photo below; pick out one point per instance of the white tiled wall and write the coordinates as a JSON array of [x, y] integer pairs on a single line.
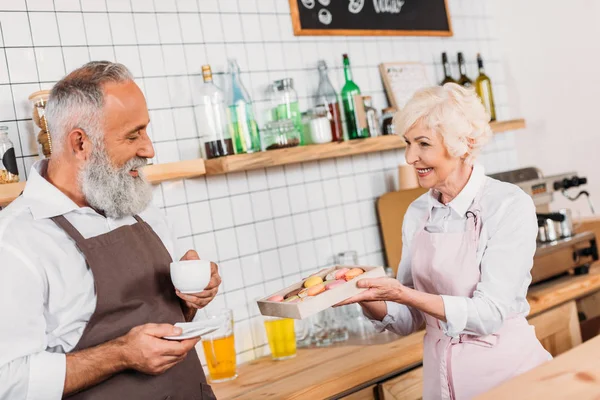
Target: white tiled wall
[[266, 228]]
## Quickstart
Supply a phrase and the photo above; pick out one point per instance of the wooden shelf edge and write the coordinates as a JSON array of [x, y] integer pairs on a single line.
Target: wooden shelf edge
[[243, 162], [9, 192], [272, 158], [174, 171], [509, 125]]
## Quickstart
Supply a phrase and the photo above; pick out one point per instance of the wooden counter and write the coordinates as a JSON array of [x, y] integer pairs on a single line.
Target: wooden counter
[[324, 373], [572, 375]]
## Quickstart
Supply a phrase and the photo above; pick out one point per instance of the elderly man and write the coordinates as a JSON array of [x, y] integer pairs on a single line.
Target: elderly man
[[85, 293]]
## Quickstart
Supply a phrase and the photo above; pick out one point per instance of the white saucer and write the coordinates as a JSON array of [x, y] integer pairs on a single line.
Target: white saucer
[[192, 330]]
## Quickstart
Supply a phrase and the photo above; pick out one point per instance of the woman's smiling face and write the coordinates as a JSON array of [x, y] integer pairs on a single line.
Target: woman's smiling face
[[426, 152]]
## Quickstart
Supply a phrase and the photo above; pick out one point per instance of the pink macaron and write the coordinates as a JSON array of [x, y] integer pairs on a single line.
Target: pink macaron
[[277, 298], [340, 273]]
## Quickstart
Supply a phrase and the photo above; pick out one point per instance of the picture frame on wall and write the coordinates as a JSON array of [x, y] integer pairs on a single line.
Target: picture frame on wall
[[371, 18]]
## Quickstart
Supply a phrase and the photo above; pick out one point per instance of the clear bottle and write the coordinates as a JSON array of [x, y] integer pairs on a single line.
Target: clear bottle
[[464, 79], [285, 104], [371, 115], [280, 135], [9, 173], [212, 120], [483, 87], [327, 97], [242, 124], [349, 93], [447, 71]]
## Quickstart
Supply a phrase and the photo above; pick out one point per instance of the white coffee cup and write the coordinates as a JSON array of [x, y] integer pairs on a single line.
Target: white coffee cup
[[190, 276]]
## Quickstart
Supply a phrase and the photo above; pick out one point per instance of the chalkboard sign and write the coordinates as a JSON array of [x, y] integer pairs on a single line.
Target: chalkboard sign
[[371, 17]]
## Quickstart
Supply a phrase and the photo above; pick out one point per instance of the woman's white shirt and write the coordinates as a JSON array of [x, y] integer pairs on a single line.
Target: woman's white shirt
[[505, 253]]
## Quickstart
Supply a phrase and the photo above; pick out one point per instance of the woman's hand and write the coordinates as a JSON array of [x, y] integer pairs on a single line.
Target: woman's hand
[[378, 289]]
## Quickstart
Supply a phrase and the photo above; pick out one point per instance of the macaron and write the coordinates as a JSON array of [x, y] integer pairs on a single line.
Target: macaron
[[303, 293], [315, 290], [330, 276], [353, 273], [277, 298], [293, 299], [313, 281], [340, 273], [334, 284], [292, 293]]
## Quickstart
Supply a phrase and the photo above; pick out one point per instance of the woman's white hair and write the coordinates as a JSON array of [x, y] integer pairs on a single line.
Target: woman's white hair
[[453, 111], [76, 101]]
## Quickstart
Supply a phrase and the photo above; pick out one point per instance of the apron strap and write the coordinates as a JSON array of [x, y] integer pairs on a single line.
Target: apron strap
[[64, 223]]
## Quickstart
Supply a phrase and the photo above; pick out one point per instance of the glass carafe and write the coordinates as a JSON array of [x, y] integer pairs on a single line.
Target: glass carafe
[[9, 172], [327, 97], [242, 124], [211, 119], [284, 104]]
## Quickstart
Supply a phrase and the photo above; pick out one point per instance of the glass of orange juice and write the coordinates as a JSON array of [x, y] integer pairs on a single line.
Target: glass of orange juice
[[281, 337], [219, 347]]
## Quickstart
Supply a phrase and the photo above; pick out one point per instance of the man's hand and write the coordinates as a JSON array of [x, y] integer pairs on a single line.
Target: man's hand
[[194, 301], [141, 349], [145, 351]]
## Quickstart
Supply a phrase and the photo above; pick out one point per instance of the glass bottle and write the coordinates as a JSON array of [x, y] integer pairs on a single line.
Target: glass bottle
[[327, 97], [212, 120], [242, 124], [371, 115], [483, 87], [447, 71], [388, 127], [349, 93], [9, 173], [285, 104], [463, 80]]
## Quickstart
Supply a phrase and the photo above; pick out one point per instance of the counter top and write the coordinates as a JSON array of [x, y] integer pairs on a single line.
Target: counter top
[[323, 373], [572, 375]]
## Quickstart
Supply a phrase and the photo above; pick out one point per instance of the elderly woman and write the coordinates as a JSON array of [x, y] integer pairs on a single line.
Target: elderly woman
[[468, 246]]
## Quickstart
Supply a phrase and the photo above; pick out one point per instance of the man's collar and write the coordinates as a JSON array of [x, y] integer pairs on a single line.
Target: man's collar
[[45, 200]]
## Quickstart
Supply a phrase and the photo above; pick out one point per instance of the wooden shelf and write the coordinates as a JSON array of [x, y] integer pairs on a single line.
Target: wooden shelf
[[265, 159], [174, 171], [9, 192], [243, 162], [510, 125], [271, 158]]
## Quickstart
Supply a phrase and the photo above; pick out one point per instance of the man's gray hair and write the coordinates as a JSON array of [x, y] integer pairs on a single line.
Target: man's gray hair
[[77, 100]]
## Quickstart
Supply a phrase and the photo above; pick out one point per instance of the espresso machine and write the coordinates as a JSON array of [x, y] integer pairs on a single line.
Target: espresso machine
[[560, 248]]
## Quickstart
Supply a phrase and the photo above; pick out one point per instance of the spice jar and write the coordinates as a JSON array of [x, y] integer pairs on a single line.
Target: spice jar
[[39, 100], [317, 126], [9, 173], [387, 126], [280, 134]]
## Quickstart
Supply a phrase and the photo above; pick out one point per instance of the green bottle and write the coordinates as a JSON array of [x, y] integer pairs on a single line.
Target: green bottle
[[350, 90], [242, 125]]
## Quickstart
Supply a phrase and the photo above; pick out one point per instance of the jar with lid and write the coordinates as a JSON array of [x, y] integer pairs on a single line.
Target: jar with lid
[[371, 116], [317, 126], [39, 100], [9, 173], [387, 126], [284, 104], [280, 135]]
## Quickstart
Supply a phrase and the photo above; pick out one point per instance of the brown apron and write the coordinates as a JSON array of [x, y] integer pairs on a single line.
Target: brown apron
[[133, 287]]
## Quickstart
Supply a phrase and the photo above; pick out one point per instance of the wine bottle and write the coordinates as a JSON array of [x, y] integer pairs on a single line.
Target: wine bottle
[[483, 87], [349, 91], [447, 71], [463, 80]]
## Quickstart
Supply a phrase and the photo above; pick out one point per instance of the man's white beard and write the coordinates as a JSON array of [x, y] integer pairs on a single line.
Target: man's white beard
[[113, 190]]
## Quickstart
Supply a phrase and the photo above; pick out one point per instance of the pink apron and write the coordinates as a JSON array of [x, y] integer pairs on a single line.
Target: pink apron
[[463, 367]]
